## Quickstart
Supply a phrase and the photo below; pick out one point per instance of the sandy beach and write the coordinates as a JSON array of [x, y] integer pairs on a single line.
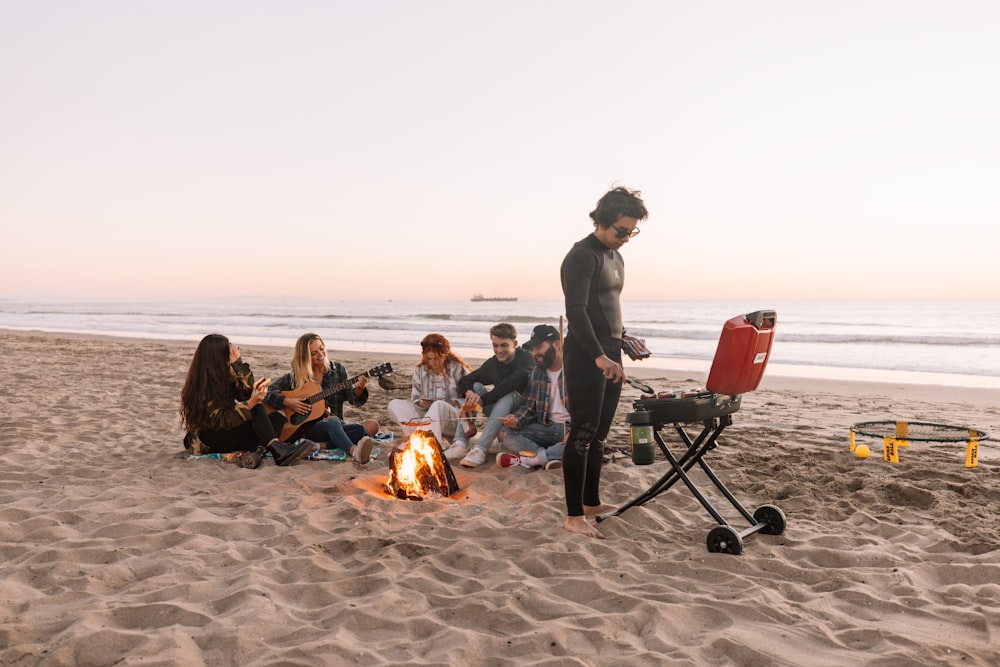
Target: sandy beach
[[117, 550]]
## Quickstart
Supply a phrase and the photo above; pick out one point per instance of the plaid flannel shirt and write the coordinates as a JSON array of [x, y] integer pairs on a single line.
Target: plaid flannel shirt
[[536, 406]]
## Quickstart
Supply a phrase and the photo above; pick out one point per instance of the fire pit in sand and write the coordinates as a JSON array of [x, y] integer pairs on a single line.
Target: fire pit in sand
[[420, 470]]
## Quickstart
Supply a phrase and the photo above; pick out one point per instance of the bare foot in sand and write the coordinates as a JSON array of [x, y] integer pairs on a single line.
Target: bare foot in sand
[[578, 524], [603, 508]]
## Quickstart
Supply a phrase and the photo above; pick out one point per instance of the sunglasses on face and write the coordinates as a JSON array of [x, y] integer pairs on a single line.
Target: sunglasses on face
[[623, 233]]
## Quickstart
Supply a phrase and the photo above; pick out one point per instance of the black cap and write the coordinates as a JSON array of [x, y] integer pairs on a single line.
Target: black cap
[[540, 334]]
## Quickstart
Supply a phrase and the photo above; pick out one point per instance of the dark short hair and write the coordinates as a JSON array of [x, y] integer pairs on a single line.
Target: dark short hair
[[504, 330], [616, 203]]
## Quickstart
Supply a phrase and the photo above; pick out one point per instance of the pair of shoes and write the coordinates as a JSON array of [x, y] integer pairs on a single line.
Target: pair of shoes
[[475, 458], [363, 450], [468, 421], [505, 460], [553, 465], [288, 455], [458, 450], [247, 460]]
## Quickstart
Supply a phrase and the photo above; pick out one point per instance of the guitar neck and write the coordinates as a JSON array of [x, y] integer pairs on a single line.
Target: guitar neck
[[337, 388]]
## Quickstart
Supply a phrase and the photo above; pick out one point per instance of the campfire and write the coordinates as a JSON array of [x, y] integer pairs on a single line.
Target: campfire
[[420, 469]]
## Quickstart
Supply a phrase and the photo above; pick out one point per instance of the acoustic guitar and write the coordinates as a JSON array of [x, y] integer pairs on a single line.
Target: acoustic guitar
[[311, 393]]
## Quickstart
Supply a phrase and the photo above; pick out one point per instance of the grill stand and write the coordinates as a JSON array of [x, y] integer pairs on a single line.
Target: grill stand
[[767, 519]]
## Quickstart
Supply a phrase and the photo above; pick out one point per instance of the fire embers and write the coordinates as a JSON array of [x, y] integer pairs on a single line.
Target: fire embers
[[420, 469]]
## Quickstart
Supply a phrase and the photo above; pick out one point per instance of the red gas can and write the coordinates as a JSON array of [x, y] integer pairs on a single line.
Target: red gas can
[[742, 354]]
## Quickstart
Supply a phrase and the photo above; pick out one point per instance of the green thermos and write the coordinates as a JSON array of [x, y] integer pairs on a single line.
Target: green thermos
[[641, 433]]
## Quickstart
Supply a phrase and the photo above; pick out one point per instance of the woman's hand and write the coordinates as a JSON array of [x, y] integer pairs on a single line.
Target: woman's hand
[[424, 403], [297, 405], [259, 392], [359, 388], [234, 353]]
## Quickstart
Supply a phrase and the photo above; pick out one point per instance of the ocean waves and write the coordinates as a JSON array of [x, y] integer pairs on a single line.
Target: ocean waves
[[934, 337]]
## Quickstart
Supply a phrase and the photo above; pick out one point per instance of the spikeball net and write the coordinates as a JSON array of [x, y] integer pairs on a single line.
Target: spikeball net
[[896, 434]]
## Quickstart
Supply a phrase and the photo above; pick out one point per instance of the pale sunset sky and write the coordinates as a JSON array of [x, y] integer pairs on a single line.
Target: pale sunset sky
[[403, 149]]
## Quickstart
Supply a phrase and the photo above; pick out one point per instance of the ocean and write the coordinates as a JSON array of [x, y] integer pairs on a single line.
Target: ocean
[[951, 343]]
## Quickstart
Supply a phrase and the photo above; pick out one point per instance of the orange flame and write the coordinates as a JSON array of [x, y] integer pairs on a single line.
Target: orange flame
[[419, 469]]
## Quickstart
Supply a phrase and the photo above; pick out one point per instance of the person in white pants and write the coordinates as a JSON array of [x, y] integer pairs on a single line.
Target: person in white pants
[[434, 392]]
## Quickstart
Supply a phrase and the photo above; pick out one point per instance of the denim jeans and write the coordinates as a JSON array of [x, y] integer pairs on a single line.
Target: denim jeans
[[335, 433], [493, 413], [537, 437]]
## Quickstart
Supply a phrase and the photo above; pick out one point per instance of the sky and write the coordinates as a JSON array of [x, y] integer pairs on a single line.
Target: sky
[[398, 149]]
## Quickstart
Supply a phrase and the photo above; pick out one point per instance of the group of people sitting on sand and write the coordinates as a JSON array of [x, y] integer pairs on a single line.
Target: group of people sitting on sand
[[519, 391], [527, 406]]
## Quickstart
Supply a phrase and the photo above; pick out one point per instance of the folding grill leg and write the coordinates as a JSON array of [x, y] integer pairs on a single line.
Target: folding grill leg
[[768, 518], [687, 460], [725, 491], [705, 447]]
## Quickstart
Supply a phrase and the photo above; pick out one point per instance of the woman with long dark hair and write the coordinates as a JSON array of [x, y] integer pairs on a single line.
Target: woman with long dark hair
[[223, 412]]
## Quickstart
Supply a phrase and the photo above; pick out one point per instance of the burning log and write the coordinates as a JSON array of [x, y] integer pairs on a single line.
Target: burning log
[[420, 469]]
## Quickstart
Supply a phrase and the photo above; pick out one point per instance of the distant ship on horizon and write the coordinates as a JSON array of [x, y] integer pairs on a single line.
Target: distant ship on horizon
[[480, 297]]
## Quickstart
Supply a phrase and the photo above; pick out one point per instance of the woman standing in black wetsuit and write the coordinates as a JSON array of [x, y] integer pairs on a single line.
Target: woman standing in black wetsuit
[[593, 274]]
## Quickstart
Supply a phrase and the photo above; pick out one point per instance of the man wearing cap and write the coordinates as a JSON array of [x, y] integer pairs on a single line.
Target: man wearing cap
[[536, 431]]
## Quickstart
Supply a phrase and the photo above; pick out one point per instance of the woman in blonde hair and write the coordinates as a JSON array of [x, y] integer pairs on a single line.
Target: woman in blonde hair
[[435, 388], [311, 364]]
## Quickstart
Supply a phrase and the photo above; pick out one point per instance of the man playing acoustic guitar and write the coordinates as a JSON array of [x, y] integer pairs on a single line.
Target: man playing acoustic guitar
[[322, 420]]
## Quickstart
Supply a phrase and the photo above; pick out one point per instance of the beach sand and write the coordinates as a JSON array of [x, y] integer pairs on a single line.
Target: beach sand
[[113, 549]]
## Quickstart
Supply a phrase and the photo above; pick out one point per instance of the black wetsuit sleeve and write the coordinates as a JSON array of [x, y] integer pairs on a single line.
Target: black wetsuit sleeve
[[578, 269]]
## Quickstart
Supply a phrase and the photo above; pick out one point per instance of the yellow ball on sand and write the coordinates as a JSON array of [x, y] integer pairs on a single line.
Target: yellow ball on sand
[[862, 451]]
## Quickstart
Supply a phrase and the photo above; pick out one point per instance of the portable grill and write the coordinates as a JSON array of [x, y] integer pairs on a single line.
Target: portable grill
[[739, 363]]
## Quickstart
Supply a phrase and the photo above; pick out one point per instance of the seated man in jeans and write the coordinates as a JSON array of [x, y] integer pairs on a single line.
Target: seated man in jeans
[[506, 372], [541, 422]]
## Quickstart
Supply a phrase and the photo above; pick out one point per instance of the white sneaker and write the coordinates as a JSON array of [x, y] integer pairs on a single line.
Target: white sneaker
[[363, 450], [531, 462], [475, 458], [536, 461], [457, 450]]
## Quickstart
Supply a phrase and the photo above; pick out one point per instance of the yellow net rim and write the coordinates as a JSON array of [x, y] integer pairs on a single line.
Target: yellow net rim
[[918, 431]]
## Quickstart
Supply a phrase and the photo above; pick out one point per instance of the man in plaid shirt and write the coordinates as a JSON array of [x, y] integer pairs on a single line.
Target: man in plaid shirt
[[536, 431]]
